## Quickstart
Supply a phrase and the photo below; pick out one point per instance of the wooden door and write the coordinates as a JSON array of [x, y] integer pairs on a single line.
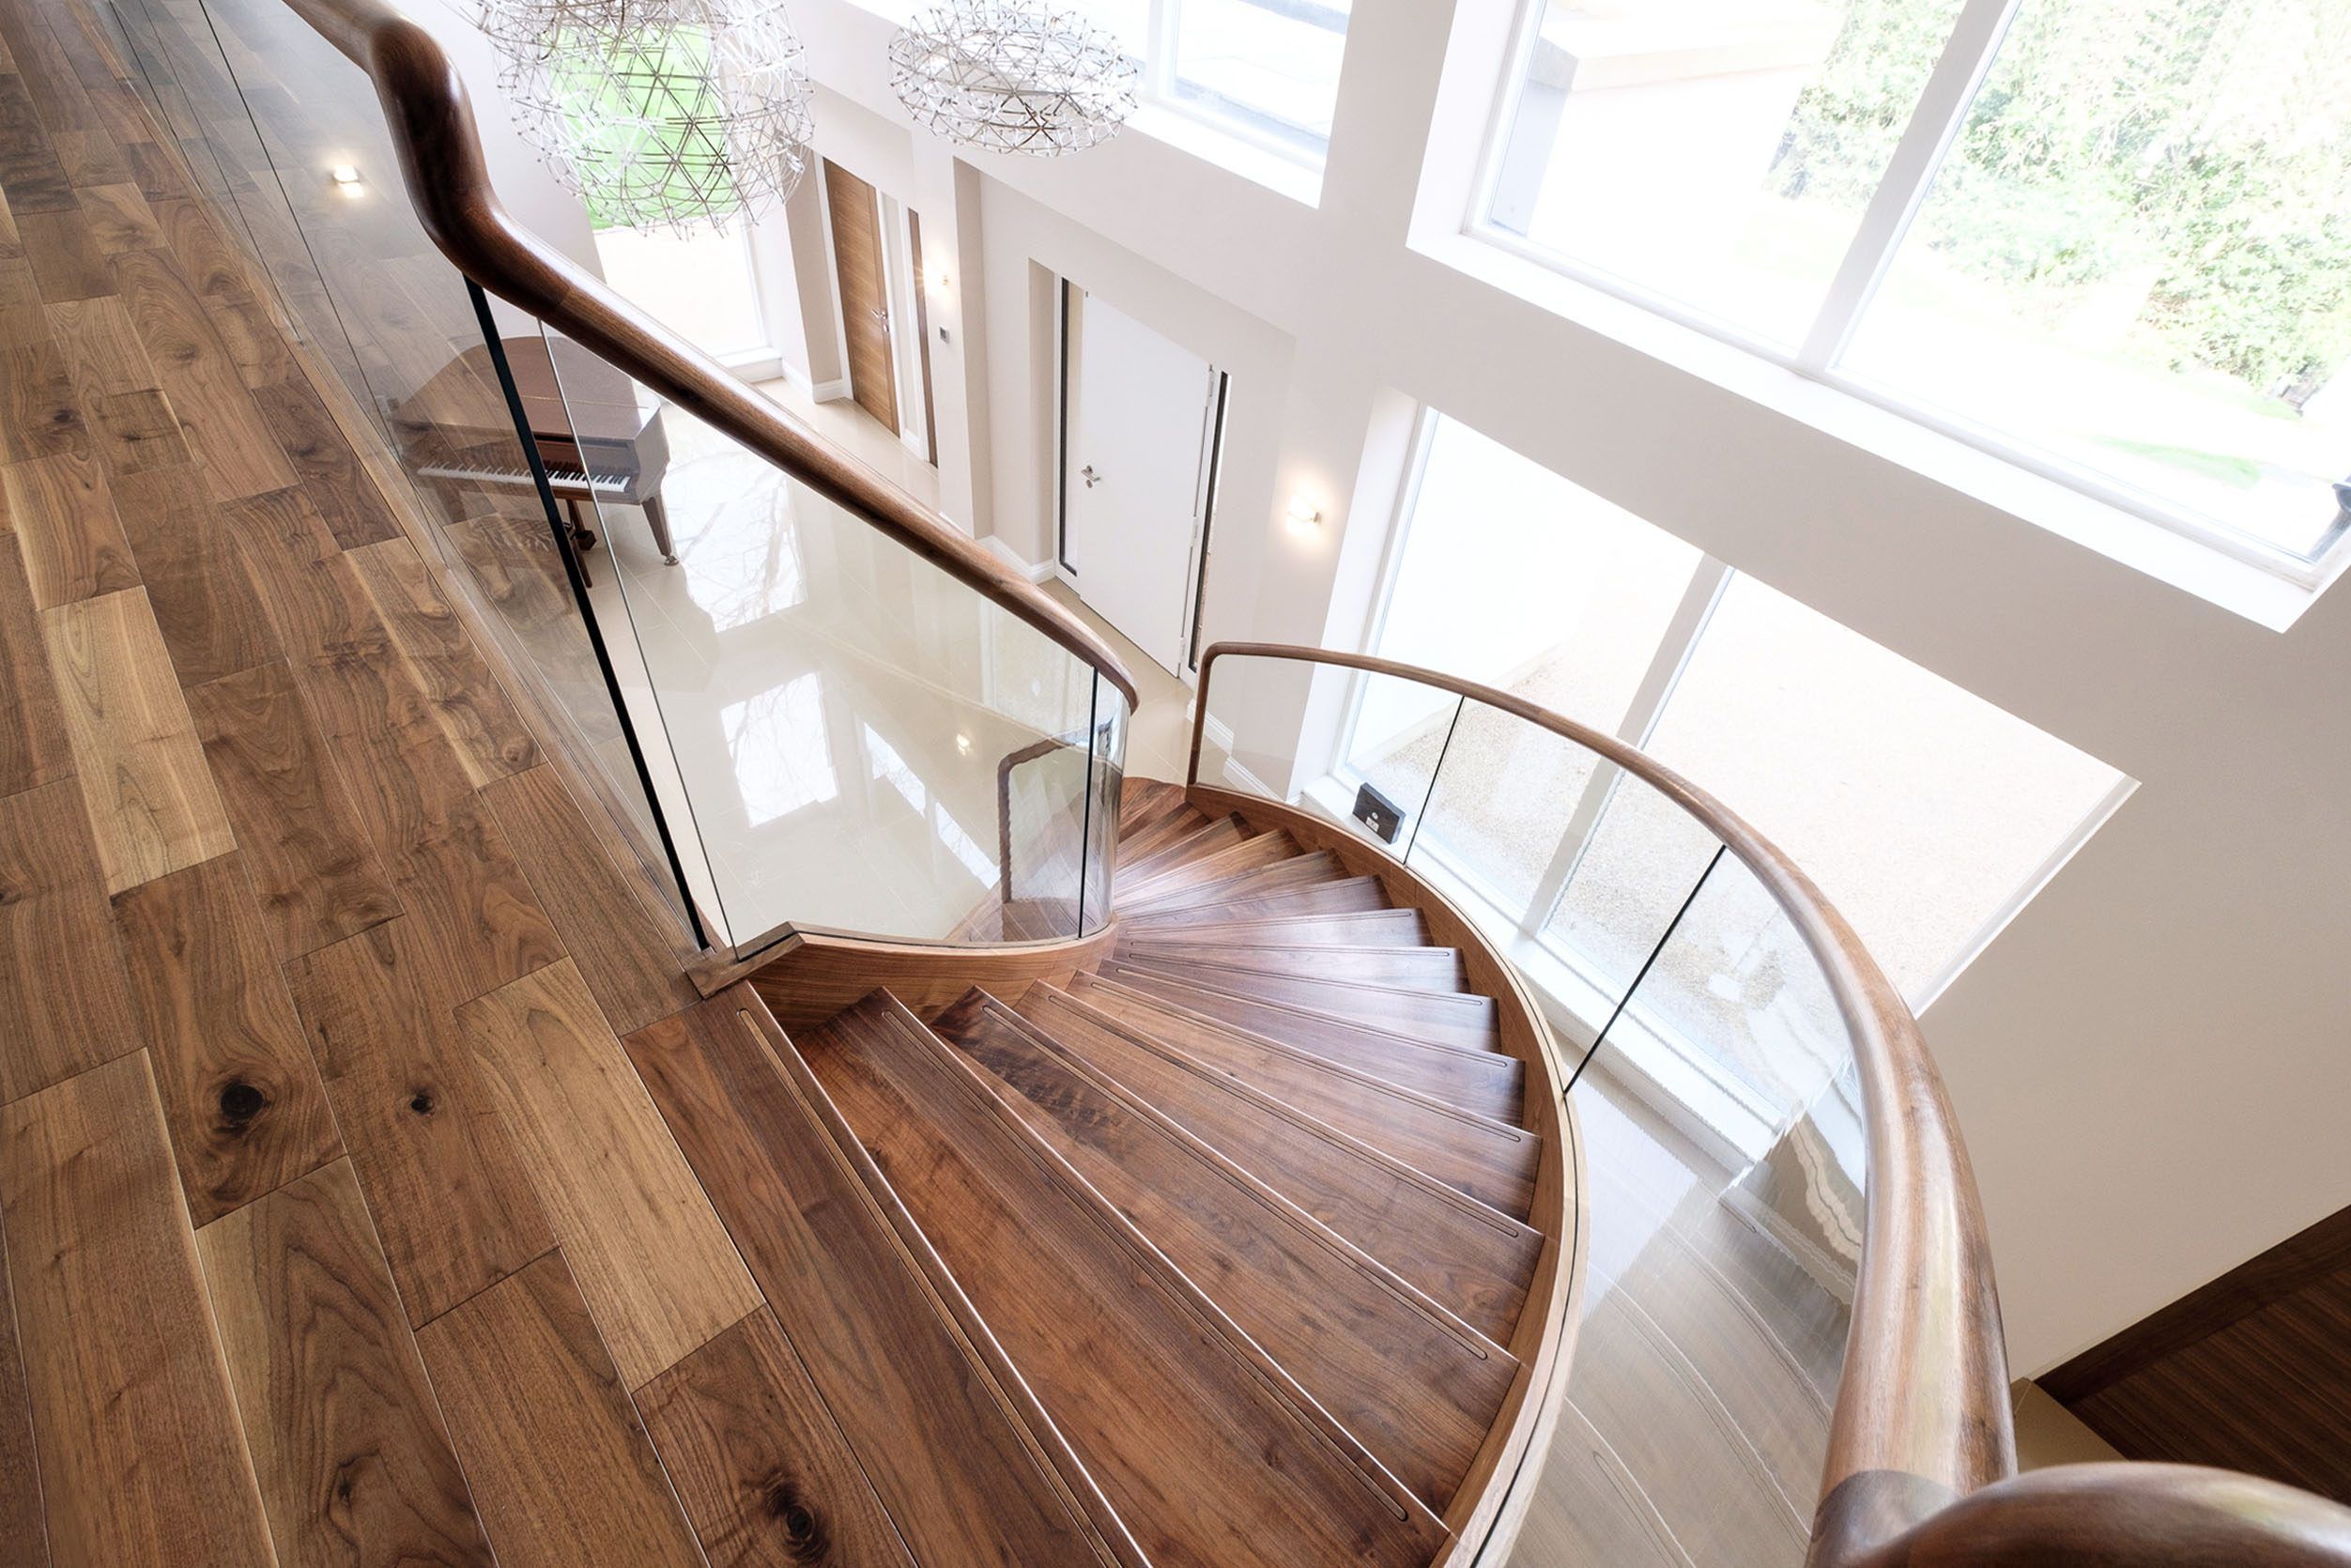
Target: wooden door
[[864, 301]]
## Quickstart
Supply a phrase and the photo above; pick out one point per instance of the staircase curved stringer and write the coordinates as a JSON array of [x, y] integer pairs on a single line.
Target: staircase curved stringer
[[1213, 1126]]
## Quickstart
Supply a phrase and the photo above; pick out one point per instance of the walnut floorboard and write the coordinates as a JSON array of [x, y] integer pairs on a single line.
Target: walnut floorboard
[[135, 1426], [346, 1438], [465, 696], [57, 1019], [120, 217], [1468, 1258], [196, 580], [224, 426], [763, 1470], [635, 971], [63, 514], [240, 1093], [152, 803], [1161, 1407], [1414, 1384], [34, 749], [103, 355], [317, 875], [329, 469], [451, 1197], [933, 1429], [650, 1256], [21, 1527], [67, 263], [562, 1474]]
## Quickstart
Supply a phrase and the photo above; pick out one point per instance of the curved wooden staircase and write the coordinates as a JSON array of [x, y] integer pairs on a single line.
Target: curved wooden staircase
[[1228, 1239]]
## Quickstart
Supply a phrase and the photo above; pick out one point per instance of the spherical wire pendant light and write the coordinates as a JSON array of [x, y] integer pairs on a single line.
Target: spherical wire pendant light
[[1012, 77], [662, 116]]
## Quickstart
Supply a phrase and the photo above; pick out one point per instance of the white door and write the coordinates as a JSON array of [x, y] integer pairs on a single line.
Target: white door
[[1135, 471]]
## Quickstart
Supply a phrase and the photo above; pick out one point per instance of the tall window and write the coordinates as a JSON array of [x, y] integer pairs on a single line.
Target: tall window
[[700, 286], [1923, 811], [1266, 70], [2108, 237]]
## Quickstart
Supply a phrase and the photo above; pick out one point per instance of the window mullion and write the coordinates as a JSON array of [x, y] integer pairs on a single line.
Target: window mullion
[[1942, 109]]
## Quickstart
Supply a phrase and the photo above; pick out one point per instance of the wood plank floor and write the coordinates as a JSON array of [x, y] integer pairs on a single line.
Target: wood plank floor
[[336, 1225]]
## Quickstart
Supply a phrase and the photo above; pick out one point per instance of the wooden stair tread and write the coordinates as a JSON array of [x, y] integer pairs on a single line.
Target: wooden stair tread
[[1150, 837], [1372, 928], [1488, 1083], [1433, 969], [1140, 863], [1471, 1258], [1348, 895], [1412, 1382], [1491, 1161], [1164, 1403], [1210, 861], [1294, 872], [931, 1424], [1453, 1018]]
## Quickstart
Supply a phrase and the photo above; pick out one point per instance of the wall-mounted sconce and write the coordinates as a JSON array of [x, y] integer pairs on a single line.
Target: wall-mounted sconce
[[1304, 517], [963, 744], [936, 277], [346, 177]]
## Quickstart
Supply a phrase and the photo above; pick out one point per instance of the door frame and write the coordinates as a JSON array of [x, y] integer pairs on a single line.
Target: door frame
[[1206, 482]]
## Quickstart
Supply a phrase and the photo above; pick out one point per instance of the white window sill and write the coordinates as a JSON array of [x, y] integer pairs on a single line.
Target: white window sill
[[1283, 176], [2240, 587]]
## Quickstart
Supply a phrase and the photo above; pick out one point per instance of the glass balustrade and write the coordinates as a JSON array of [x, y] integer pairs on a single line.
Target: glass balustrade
[[791, 721], [1705, 1061]]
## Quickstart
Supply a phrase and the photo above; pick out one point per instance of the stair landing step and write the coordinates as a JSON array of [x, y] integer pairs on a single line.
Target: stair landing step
[[1207, 1450], [1415, 1384], [1472, 1259], [1489, 1159]]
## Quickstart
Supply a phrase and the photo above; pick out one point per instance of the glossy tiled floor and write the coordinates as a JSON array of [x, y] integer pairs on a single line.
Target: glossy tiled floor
[[824, 715]]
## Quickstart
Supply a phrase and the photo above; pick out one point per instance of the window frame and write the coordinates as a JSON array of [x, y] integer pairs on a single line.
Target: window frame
[[1161, 87], [1936, 120]]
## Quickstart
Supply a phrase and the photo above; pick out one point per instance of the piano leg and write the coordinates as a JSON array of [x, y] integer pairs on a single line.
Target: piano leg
[[657, 517]]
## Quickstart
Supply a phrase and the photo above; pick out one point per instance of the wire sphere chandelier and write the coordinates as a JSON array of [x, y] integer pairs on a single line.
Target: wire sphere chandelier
[[661, 114], [1008, 76]]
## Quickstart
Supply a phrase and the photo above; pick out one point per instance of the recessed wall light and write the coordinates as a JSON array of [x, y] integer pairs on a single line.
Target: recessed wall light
[[343, 173], [1304, 517]]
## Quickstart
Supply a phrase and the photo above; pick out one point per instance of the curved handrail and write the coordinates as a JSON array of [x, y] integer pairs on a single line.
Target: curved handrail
[[1921, 1464], [431, 118]]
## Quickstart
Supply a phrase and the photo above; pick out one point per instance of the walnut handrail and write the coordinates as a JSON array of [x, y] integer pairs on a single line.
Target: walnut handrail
[[431, 119], [1921, 1465]]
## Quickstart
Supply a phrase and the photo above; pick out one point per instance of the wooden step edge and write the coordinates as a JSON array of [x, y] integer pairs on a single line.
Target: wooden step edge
[[1294, 871], [1156, 918], [1463, 1001], [1281, 929], [1146, 808], [1155, 839], [1173, 976], [1471, 1209], [1145, 862], [1489, 1125], [1298, 961], [1252, 1186], [1090, 1509], [1240, 857], [1117, 1230]]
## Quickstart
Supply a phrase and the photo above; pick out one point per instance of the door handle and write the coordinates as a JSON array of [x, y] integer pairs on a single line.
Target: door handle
[[1091, 478], [882, 317]]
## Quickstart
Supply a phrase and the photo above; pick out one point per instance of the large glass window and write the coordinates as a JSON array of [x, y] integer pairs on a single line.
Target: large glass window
[[1924, 812], [700, 284], [1266, 70], [2110, 237]]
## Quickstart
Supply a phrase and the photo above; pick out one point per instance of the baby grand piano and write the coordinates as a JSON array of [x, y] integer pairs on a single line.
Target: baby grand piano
[[597, 441]]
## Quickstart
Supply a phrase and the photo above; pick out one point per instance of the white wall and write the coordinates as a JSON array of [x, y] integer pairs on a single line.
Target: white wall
[[2151, 1062]]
